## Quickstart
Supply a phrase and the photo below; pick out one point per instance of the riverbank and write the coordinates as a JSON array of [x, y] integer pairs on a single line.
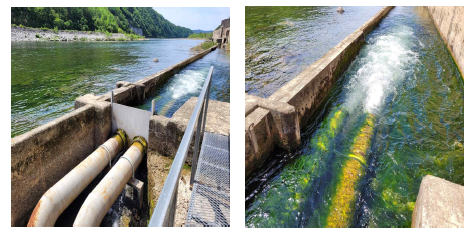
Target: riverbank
[[21, 34], [204, 46]]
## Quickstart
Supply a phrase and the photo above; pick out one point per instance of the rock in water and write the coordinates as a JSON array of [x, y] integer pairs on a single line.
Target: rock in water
[[155, 60], [340, 10]]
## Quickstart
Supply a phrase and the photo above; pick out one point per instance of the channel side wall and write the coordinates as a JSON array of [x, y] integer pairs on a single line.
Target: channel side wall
[[127, 93], [270, 123], [44, 155], [449, 21]]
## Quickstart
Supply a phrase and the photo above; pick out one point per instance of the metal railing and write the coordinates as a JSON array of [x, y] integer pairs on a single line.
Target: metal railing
[[163, 215]]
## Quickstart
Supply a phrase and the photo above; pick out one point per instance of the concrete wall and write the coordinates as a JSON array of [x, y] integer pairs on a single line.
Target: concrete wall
[[440, 204], [269, 123], [449, 21], [222, 35], [41, 157], [166, 133], [217, 35]]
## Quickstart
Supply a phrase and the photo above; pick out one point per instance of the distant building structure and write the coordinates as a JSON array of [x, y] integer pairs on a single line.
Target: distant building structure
[[222, 35]]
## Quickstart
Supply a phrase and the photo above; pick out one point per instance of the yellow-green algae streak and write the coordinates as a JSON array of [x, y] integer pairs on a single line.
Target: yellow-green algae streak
[[343, 202], [297, 179]]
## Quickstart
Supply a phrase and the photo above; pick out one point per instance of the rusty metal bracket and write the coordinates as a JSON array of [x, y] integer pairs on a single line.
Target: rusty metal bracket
[[130, 162]]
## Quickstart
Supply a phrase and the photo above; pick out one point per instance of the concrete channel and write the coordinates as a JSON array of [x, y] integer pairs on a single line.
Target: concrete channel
[[44, 155], [278, 120]]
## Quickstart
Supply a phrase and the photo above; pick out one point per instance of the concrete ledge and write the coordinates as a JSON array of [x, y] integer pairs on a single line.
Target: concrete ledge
[[284, 120], [440, 204], [449, 21], [293, 104], [166, 133]]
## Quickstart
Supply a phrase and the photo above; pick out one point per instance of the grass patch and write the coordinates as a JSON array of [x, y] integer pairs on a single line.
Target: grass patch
[[187, 167], [204, 46]]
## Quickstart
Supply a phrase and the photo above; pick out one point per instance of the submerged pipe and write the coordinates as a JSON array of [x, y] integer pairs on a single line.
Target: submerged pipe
[[308, 167], [66, 190], [343, 202], [100, 200]]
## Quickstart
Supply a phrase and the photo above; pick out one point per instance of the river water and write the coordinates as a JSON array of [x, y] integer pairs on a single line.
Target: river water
[[282, 41], [395, 115], [46, 77]]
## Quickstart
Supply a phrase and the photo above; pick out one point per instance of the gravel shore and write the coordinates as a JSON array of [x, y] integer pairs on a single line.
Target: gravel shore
[[19, 34]]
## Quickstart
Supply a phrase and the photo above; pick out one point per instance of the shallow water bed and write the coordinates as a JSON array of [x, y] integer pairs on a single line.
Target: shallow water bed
[[396, 115]]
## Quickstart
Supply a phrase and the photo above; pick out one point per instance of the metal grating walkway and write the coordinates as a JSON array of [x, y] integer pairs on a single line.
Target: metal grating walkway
[[209, 203]]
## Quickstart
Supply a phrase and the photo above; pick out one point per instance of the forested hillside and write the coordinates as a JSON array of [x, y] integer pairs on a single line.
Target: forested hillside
[[103, 19]]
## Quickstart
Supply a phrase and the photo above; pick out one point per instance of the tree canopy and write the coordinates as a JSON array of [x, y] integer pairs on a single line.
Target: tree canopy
[[103, 19]]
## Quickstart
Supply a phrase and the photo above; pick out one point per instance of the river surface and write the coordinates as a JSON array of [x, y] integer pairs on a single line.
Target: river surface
[[282, 41], [46, 77], [395, 115]]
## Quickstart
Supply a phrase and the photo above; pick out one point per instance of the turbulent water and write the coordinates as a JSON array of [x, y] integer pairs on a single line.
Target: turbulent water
[[46, 77], [282, 41], [395, 115], [189, 82]]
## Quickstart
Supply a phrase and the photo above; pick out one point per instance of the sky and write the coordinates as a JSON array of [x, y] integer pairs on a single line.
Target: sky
[[204, 18]]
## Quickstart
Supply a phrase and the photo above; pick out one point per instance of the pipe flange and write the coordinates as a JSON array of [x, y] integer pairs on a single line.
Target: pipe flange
[[122, 134], [142, 141]]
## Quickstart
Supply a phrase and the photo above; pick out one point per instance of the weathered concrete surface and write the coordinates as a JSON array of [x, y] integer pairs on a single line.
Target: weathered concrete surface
[[304, 93], [217, 120], [449, 21], [102, 120], [440, 204], [259, 139], [41, 157], [269, 123], [222, 35], [166, 133]]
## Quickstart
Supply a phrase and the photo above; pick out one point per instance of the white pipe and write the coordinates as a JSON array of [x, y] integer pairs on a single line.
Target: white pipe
[[100, 200], [66, 190]]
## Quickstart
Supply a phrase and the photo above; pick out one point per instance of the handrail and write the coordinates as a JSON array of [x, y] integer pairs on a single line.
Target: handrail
[[163, 215]]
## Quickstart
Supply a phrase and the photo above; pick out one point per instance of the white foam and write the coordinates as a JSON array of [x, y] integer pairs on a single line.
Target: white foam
[[187, 83], [385, 64]]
